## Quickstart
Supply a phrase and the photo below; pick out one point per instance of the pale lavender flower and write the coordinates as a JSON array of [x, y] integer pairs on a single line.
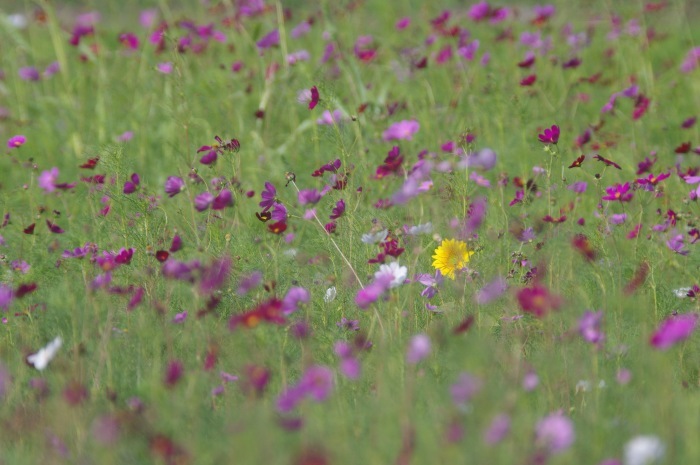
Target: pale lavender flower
[[29, 73], [300, 30], [676, 244], [491, 291], [418, 348], [589, 327], [618, 218], [466, 387], [498, 429], [327, 118], [555, 433], [294, 296], [249, 282], [403, 130], [431, 282], [295, 57], [579, 187], [6, 297], [530, 381]]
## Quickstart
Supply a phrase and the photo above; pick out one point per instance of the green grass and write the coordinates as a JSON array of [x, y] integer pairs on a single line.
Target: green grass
[[395, 412]]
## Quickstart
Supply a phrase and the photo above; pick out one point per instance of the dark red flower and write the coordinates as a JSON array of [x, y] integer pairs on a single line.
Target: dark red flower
[[578, 162]]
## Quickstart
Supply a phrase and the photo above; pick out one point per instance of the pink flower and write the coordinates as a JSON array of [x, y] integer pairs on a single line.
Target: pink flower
[[16, 141], [165, 67], [403, 130], [418, 348], [555, 433], [674, 329], [589, 327], [550, 136], [498, 429], [618, 192]]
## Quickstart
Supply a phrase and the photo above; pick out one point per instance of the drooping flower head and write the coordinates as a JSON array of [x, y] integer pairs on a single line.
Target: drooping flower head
[[452, 255]]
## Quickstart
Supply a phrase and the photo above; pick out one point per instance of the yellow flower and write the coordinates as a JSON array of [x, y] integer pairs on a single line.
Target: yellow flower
[[450, 256]]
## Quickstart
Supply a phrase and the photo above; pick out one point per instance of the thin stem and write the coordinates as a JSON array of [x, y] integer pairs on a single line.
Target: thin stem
[[347, 262]]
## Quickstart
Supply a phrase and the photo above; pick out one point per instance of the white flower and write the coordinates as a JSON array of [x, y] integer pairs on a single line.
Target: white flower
[[376, 237], [681, 292], [331, 293], [426, 228], [42, 358], [397, 272], [644, 450]]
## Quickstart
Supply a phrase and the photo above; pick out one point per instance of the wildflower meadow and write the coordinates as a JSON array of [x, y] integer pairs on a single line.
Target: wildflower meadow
[[349, 232]]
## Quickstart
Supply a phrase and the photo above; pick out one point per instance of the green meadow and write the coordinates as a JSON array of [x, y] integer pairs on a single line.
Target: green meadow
[[354, 232]]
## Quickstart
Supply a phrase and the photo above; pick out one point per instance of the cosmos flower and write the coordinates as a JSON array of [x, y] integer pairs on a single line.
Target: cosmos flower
[[403, 130], [644, 450], [555, 433], [174, 185], [452, 255], [396, 272], [418, 348], [550, 136], [674, 329], [16, 141], [619, 192]]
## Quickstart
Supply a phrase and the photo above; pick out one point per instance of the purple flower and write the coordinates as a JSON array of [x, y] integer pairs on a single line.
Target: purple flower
[[466, 387], [180, 317], [214, 276], [16, 141], [349, 365], [29, 74], [308, 196], [498, 429], [223, 200], [589, 327], [350, 325], [403, 130], [270, 40], [249, 282], [550, 136], [327, 118], [279, 212], [675, 243], [484, 159], [130, 186], [269, 197], [316, 383], [294, 296], [674, 329], [555, 433], [431, 283], [491, 291], [365, 297], [338, 210], [173, 373], [579, 187], [6, 297], [418, 348], [618, 218], [174, 185], [203, 201]]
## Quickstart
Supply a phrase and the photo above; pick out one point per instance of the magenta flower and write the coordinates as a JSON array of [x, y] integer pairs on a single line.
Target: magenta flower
[[223, 200], [328, 119], [550, 136], [674, 329], [316, 383], [130, 186], [418, 348], [555, 433], [403, 130], [314, 98], [676, 243], [174, 185], [47, 180], [16, 141], [537, 300], [129, 41], [349, 364], [619, 192], [279, 212], [173, 373], [365, 297], [338, 210]]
